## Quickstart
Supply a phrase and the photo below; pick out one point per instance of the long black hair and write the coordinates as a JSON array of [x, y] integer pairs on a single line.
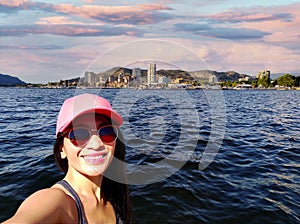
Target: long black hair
[[114, 192]]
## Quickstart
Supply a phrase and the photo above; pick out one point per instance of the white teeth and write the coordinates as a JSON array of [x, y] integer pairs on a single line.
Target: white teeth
[[95, 157]]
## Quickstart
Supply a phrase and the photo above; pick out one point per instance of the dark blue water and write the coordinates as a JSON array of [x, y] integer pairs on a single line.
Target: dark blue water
[[193, 156]]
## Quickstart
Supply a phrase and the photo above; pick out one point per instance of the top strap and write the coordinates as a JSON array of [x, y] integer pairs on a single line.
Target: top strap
[[68, 187]]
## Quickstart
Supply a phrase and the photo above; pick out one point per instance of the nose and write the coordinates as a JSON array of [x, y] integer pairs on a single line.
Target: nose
[[95, 142]]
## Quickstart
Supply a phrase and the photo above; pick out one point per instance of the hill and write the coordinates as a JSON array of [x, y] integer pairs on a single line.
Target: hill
[[201, 75], [220, 76], [116, 71], [7, 80], [174, 74], [277, 75]]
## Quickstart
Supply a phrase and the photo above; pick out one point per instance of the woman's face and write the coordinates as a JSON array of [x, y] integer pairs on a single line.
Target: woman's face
[[94, 157]]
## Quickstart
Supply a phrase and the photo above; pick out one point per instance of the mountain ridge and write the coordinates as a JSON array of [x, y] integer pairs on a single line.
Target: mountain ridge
[[187, 75], [8, 80]]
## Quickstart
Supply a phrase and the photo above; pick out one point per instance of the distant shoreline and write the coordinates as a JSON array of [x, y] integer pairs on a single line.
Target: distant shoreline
[[139, 89]]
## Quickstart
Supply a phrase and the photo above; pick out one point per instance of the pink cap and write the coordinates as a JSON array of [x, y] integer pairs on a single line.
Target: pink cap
[[84, 104]]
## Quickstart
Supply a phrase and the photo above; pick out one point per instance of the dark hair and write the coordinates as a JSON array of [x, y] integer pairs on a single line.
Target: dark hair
[[114, 192]]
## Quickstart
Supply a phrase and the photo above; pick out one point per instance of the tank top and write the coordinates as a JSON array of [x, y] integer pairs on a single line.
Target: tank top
[[81, 216]]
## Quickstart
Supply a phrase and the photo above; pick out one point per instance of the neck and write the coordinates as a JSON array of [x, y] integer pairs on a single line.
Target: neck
[[85, 185]]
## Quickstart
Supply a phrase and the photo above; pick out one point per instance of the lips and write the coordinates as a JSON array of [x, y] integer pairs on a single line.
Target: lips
[[95, 158]]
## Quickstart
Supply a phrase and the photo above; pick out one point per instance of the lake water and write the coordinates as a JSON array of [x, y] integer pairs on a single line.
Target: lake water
[[192, 156]]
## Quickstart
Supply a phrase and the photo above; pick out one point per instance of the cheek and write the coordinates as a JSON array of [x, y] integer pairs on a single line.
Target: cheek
[[111, 148], [68, 149]]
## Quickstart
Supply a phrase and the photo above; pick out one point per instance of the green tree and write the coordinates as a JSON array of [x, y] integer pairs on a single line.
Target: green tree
[[263, 81], [254, 83], [287, 80], [298, 81], [274, 83]]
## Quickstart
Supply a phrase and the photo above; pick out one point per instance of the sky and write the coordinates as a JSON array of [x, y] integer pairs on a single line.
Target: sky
[[49, 40]]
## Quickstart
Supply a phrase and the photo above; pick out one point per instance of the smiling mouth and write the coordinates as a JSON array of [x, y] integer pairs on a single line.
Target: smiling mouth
[[95, 159], [96, 156]]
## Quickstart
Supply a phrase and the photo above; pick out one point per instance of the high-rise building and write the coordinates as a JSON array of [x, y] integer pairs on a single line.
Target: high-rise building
[[212, 79], [89, 79], [151, 73], [136, 72], [263, 73]]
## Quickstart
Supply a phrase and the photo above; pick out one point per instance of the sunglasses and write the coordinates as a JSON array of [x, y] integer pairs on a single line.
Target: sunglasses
[[81, 136]]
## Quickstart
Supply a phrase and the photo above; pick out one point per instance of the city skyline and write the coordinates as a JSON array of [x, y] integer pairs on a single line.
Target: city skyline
[[49, 40]]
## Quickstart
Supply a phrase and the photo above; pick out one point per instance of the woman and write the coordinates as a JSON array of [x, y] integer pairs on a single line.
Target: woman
[[87, 139]]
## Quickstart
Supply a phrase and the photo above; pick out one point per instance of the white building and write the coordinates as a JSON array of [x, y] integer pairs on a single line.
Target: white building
[[89, 78], [163, 80], [151, 73], [212, 79], [263, 73]]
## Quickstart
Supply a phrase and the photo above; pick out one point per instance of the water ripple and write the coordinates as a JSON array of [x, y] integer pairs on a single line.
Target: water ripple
[[254, 177]]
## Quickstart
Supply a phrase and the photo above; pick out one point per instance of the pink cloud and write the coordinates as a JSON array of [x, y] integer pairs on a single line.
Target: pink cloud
[[64, 20], [276, 26], [13, 3], [285, 32], [127, 14], [251, 15], [88, 1], [137, 14], [249, 57], [55, 20], [68, 30]]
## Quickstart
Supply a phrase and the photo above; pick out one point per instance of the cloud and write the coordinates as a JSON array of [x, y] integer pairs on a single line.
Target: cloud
[[129, 14], [88, 1], [242, 17], [249, 57], [243, 24], [27, 47], [7, 6], [56, 20], [69, 30], [285, 34], [221, 32], [132, 14], [245, 39], [191, 27], [233, 33], [13, 3]]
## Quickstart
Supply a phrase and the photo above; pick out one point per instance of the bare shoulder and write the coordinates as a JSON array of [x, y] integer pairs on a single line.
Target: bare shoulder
[[44, 206], [55, 193], [51, 198]]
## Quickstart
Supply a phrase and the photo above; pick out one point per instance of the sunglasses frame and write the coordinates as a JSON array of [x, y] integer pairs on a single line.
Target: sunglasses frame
[[92, 132]]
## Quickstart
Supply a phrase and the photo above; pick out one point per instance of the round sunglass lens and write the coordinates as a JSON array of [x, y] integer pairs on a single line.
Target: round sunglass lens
[[107, 134], [79, 136]]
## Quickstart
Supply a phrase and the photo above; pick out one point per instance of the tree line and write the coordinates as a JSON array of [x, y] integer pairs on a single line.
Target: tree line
[[286, 80]]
